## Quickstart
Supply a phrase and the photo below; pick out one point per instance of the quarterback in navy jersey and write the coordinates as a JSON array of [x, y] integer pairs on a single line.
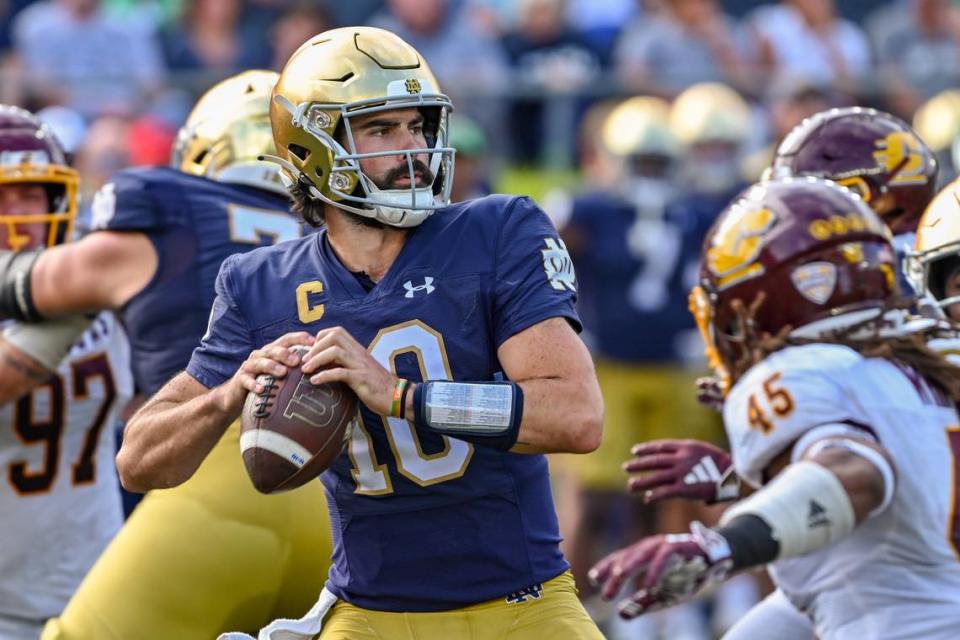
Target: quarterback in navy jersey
[[441, 504], [158, 238]]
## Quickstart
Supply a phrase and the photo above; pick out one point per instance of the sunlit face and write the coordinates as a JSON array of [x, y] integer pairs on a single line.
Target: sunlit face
[[951, 288], [389, 130], [22, 200]]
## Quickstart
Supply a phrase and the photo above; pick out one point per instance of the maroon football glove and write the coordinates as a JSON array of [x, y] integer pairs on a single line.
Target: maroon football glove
[[682, 469], [668, 569], [710, 393]]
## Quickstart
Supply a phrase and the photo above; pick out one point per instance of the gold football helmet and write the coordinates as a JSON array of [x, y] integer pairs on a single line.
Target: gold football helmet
[[31, 153], [339, 75], [938, 245], [710, 112], [640, 126], [938, 120], [228, 130]]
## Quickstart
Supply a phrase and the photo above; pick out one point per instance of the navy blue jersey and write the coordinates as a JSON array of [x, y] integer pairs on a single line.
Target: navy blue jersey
[[194, 224], [421, 522], [636, 271]]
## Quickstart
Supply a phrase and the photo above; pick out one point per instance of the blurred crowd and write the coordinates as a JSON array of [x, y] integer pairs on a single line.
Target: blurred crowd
[[130, 69]]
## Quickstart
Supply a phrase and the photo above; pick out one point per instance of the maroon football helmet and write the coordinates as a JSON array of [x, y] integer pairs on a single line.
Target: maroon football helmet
[[815, 250], [871, 152], [31, 154]]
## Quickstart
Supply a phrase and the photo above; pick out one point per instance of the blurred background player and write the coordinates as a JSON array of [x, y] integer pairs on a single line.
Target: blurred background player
[[937, 121], [937, 256], [60, 395], [825, 373], [635, 238], [159, 237]]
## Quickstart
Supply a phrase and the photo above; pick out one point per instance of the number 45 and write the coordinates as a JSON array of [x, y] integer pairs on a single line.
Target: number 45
[[775, 400]]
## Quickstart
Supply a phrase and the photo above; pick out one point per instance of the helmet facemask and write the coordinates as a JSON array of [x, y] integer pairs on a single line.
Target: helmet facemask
[[353, 190], [61, 185]]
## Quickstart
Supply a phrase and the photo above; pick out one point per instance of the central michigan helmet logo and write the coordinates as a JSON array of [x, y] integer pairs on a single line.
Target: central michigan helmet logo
[[413, 85], [899, 154], [737, 244]]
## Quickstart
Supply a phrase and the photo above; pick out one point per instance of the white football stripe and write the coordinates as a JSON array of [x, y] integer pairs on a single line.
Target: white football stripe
[[711, 467], [275, 443]]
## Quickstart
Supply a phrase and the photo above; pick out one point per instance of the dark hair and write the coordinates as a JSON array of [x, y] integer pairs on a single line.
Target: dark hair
[[310, 209], [306, 206], [910, 350]]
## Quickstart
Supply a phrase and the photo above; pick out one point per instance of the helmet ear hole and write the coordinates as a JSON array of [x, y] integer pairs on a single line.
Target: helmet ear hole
[[319, 172], [301, 152]]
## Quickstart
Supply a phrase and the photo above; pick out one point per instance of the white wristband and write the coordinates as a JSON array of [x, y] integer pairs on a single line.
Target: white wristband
[[47, 342], [805, 506]]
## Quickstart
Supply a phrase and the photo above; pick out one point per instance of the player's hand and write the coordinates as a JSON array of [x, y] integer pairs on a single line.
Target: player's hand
[[274, 359], [710, 393], [688, 469], [337, 357], [668, 569]]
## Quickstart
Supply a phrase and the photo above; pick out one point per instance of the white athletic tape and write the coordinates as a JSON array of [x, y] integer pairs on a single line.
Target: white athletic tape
[[275, 443]]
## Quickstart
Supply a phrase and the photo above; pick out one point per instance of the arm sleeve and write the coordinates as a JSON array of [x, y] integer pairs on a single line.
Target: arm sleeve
[[228, 340], [776, 403], [534, 276]]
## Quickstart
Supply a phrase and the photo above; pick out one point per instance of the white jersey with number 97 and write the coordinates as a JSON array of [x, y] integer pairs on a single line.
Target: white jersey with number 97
[[58, 491], [897, 575]]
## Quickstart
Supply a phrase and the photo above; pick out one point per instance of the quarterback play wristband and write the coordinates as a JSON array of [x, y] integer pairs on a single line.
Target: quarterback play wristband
[[484, 413], [399, 393]]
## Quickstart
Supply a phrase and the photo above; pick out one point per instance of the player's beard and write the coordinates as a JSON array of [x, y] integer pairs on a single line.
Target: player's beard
[[390, 178], [388, 182]]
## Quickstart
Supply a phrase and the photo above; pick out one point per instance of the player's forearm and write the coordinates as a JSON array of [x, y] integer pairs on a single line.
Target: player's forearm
[[19, 373], [169, 437], [560, 415]]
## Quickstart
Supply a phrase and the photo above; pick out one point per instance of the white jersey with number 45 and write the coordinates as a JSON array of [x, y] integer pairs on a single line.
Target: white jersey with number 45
[[58, 492], [897, 575]]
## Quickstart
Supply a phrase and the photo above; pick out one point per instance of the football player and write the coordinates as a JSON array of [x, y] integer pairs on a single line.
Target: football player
[[455, 326], [60, 394], [873, 153], [839, 416], [937, 257], [213, 554], [864, 149]]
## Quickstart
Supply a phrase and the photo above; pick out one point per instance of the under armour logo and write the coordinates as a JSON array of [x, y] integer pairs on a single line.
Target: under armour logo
[[817, 517], [426, 286]]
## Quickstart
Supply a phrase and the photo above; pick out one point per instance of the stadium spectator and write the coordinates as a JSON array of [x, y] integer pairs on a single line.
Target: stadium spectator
[[685, 42], [788, 100], [918, 49], [209, 36], [544, 53], [298, 24], [105, 150], [808, 38], [600, 22], [444, 35], [74, 53]]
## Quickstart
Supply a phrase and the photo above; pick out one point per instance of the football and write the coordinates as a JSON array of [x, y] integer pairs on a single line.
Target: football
[[294, 430]]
